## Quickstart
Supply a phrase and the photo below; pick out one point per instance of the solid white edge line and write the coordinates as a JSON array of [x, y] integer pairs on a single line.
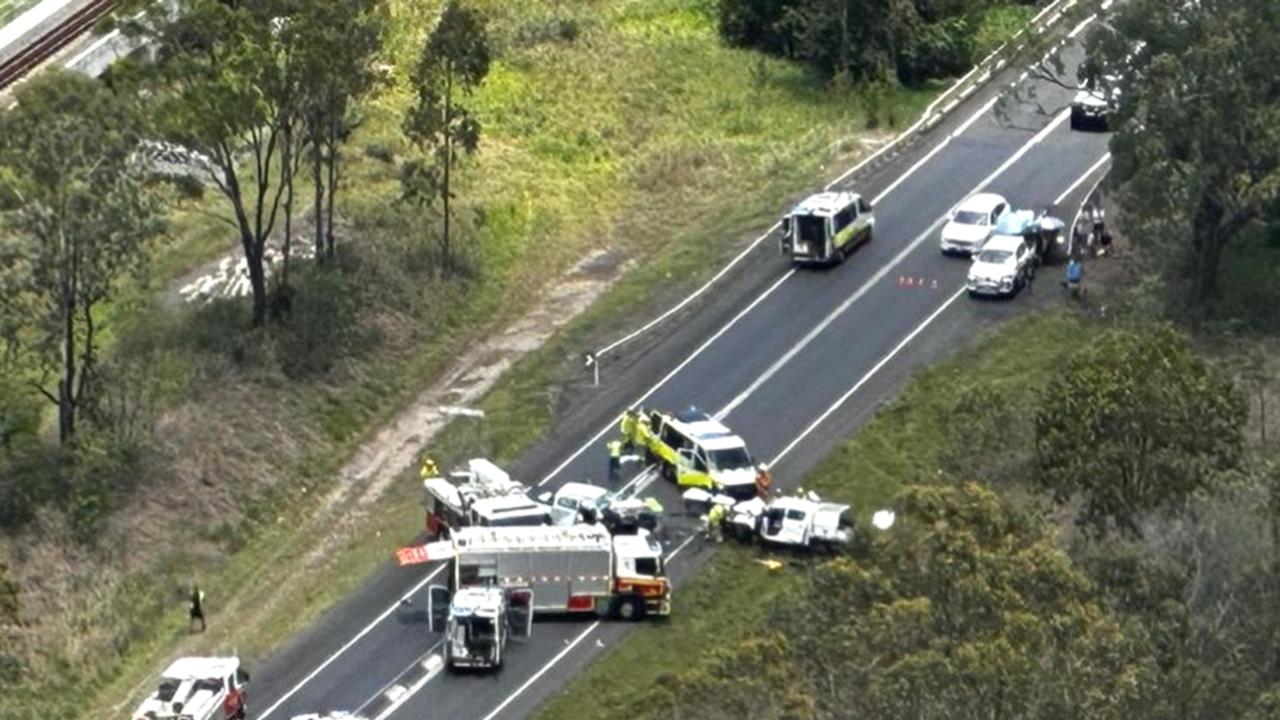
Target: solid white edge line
[[1021, 152], [865, 378], [1079, 181], [835, 314], [329, 660], [368, 628], [927, 115], [559, 656], [410, 692], [612, 423], [831, 317]]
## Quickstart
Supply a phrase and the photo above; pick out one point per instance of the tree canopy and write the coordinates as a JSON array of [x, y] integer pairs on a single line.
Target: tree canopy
[[79, 215]]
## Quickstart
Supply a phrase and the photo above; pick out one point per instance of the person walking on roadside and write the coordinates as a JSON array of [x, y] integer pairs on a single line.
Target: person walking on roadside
[[197, 606], [615, 459]]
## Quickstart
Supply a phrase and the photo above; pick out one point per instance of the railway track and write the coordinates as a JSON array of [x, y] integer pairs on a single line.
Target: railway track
[[52, 41]]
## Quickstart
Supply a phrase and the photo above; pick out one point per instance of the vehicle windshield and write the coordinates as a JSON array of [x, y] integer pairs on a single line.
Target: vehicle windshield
[[651, 567], [729, 459], [518, 520], [969, 217], [810, 228], [478, 628], [994, 257]]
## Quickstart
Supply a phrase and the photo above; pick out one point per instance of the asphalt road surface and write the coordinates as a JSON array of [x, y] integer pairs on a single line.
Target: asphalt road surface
[[793, 360]]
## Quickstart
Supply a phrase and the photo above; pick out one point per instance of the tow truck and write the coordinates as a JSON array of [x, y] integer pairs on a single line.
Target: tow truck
[[482, 495], [694, 450], [802, 520], [500, 578], [198, 688]]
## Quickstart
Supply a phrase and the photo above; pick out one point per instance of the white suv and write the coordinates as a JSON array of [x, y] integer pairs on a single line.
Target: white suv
[[972, 223], [1005, 265]]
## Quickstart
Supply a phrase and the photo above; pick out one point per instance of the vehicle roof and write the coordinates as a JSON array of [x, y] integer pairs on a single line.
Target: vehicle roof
[[582, 490], [703, 430], [196, 668], [1015, 223], [637, 545], [982, 202], [825, 203], [506, 503], [541, 537], [1008, 243], [483, 601], [722, 442]]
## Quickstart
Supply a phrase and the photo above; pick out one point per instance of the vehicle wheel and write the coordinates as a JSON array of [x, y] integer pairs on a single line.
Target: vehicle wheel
[[628, 608], [973, 294], [742, 534], [650, 458]]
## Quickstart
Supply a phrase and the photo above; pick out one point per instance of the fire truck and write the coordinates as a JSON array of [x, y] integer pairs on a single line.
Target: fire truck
[[482, 495], [501, 577]]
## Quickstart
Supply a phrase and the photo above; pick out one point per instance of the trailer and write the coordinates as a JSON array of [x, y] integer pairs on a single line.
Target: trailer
[[501, 577], [198, 688], [482, 495]]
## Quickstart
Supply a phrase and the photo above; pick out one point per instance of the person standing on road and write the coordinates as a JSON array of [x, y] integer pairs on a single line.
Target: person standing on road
[[197, 606], [615, 459], [629, 419], [715, 522]]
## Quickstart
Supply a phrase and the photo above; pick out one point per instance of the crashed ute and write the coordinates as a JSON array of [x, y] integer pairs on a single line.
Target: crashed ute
[[800, 521]]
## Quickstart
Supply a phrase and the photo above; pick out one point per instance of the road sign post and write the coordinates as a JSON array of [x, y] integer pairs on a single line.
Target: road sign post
[[589, 359]]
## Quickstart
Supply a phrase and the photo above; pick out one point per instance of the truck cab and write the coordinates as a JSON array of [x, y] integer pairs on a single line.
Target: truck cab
[[478, 622], [826, 227], [695, 451]]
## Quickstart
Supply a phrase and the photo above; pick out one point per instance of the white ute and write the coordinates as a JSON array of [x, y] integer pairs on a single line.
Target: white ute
[[972, 223], [196, 688], [800, 520]]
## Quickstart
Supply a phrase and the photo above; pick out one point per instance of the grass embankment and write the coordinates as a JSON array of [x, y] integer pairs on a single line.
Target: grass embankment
[[905, 443], [619, 125]]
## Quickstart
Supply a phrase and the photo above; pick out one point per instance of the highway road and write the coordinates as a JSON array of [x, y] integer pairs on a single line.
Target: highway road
[[791, 359]]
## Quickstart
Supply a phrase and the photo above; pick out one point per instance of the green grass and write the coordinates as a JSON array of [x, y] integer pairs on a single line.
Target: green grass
[[905, 443], [642, 134], [11, 9]]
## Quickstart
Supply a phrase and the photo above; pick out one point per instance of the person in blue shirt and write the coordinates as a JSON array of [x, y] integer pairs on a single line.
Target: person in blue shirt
[[1075, 275]]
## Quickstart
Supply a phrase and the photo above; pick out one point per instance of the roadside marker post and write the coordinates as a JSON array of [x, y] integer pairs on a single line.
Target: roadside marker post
[[589, 359]]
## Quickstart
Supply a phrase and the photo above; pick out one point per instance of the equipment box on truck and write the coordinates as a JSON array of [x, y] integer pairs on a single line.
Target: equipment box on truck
[[482, 495]]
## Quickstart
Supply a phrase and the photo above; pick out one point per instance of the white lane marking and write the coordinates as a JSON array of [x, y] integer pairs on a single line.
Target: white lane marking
[[433, 669], [365, 631], [926, 116], [1082, 25], [426, 664], [618, 418], [690, 298], [595, 438], [919, 328], [863, 380], [395, 692], [844, 306], [552, 663], [1087, 174], [831, 317], [912, 336], [581, 636]]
